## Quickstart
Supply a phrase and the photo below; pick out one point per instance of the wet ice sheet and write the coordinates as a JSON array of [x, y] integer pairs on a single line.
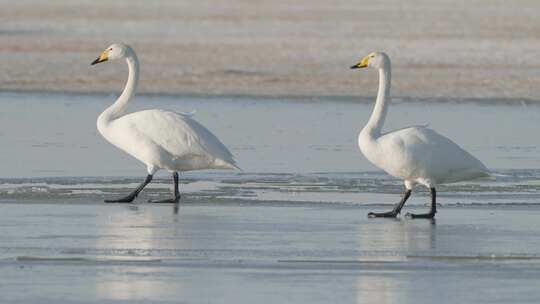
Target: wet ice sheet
[[291, 228], [94, 252], [512, 187], [265, 135], [311, 155]]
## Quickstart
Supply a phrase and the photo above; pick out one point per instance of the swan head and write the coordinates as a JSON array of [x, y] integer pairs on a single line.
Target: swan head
[[376, 60], [113, 52]]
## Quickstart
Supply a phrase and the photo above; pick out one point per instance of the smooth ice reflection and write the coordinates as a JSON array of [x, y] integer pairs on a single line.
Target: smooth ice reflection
[[245, 253]]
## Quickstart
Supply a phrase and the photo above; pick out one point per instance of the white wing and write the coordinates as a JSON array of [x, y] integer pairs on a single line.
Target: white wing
[[176, 135], [421, 153]]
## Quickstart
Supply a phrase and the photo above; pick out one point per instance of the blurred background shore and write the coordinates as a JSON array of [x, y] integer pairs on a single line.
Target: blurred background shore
[[292, 226], [452, 49]]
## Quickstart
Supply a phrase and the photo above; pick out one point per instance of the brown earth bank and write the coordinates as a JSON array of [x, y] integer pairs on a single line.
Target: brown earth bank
[[444, 49]]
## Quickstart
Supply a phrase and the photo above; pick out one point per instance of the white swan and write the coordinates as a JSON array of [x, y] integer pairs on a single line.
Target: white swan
[[417, 154], [160, 139]]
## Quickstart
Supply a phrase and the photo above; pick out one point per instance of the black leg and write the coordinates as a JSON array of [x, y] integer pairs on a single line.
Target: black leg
[[433, 210], [396, 210], [176, 198], [130, 197], [176, 193]]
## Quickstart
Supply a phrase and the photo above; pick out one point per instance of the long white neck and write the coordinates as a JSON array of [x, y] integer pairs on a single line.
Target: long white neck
[[118, 108], [376, 121]]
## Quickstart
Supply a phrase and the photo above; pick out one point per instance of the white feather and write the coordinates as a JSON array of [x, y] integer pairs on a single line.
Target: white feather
[[421, 155], [161, 139], [415, 154]]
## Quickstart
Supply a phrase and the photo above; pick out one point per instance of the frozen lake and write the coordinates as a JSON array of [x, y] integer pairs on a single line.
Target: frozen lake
[[291, 227], [95, 253], [289, 149]]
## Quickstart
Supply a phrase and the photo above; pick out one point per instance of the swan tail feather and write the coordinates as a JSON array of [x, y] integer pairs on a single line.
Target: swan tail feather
[[223, 164]]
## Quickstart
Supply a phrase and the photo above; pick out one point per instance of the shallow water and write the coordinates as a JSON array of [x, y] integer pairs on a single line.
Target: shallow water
[[293, 150]]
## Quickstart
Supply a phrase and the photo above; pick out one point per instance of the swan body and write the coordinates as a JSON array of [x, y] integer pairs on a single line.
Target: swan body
[[159, 139], [167, 140], [418, 154]]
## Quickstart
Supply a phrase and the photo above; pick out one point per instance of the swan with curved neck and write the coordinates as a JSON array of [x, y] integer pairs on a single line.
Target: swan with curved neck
[[417, 155], [118, 108], [160, 139]]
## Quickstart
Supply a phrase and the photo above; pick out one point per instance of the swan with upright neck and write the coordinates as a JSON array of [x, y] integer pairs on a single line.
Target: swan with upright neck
[[417, 155], [159, 139]]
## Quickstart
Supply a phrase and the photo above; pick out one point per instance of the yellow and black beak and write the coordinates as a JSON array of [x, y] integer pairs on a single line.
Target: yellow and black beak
[[102, 58], [362, 64]]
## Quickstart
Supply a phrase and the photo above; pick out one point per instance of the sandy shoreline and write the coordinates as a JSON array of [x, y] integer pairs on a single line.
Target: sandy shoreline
[[444, 49]]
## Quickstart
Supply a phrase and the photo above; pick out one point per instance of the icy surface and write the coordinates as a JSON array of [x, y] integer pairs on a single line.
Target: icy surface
[[290, 228], [94, 253], [290, 150]]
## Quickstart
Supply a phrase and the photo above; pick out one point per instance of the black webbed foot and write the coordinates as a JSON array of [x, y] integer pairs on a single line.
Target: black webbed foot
[[429, 215], [165, 201], [389, 214], [127, 199]]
